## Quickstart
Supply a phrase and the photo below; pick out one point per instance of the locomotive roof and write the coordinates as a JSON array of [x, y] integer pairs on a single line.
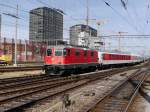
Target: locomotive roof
[[69, 46]]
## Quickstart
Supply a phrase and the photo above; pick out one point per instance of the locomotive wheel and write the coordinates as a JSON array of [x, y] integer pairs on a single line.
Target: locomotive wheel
[[57, 73], [47, 72]]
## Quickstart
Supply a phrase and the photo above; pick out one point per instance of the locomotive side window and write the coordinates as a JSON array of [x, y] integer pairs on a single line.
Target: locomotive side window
[[69, 52], [77, 52], [49, 52], [64, 52], [58, 52], [92, 53], [85, 53]]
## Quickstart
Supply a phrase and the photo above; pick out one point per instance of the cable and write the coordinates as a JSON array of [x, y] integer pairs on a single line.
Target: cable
[[127, 36], [124, 4], [41, 2], [132, 25], [25, 11], [137, 17], [37, 14], [146, 22]]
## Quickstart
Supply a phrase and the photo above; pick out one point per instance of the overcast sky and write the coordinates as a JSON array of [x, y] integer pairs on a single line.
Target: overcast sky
[[135, 19]]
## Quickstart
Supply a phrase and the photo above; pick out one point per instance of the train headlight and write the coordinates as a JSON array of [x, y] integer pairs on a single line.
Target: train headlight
[[52, 59]]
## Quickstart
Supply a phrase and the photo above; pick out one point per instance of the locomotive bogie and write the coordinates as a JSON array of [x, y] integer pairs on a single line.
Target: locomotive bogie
[[69, 69]]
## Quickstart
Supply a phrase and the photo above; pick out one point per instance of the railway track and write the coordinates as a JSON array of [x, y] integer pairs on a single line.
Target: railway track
[[16, 95], [19, 68], [121, 97], [21, 92]]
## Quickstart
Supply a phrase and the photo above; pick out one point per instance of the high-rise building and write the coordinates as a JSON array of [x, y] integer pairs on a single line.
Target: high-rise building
[[46, 24], [80, 31]]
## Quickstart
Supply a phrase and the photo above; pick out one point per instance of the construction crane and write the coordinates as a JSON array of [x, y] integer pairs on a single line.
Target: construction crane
[[99, 23]]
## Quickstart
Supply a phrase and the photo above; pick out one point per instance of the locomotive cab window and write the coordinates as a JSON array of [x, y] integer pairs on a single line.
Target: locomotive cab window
[[64, 52], [49, 52], [92, 53], [58, 52]]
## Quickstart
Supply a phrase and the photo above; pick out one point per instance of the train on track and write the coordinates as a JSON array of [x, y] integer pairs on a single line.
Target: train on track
[[5, 58], [61, 60]]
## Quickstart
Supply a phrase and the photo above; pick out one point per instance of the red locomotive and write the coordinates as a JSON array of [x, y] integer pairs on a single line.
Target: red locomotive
[[61, 60]]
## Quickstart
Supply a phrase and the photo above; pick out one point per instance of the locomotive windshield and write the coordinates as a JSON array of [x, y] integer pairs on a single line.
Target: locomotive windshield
[[49, 52], [58, 52]]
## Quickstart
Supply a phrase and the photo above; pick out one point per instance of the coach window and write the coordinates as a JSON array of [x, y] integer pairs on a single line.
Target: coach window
[[58, 53], [103, 56], [111, 56], [49, 52]]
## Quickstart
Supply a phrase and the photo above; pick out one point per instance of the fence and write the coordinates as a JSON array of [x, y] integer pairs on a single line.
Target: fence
[[27, 51]]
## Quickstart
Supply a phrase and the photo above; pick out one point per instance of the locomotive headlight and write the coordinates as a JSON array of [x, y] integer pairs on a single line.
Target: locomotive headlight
[[52, 59]]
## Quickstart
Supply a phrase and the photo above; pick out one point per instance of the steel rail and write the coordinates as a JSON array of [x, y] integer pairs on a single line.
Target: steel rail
[[28, 98], [88, 76], [90, 107], [135, 93], [21, 68]]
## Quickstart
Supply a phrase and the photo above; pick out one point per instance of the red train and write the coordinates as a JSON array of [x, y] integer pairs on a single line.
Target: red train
[[60, 60], [74, 60]]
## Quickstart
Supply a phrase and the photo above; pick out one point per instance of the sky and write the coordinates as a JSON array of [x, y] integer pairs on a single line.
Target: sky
[[134, 20]]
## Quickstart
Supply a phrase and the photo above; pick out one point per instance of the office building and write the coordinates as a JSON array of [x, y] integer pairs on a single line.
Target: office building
[[81, 32], [46, 24]]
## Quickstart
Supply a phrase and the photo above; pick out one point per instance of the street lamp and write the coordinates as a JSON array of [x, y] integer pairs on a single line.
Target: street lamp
[[16, 32]]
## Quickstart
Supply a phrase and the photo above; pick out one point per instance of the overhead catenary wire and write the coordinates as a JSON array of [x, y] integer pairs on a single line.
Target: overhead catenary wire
[[9, 6], [137, 17], [146, 17], [44, 3], [140, 24], [24, 10], [147, 11], [125, 7], [123, 18], [133, 26], [41, 1], [36, 14]]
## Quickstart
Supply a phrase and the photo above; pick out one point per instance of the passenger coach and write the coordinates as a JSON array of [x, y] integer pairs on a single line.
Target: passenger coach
[[117, 59]]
